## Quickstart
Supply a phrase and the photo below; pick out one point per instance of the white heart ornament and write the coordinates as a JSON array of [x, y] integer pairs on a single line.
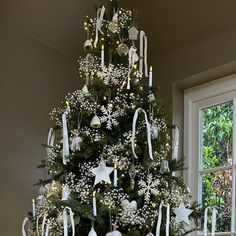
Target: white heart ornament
[[129, 206], [114, 233]]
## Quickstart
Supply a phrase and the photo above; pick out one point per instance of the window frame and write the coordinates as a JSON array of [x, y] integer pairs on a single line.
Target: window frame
[[195, 99]]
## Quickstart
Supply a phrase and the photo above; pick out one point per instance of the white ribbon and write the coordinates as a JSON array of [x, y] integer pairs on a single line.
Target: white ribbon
[[65, 193], [158, 228], [175, 143], [47, 230], [66, 148], [44, 215], [65, 221], [51, 138], [23, 226], [133, 58], [148, 132], [213, 221], [100, 16], [143, 53]]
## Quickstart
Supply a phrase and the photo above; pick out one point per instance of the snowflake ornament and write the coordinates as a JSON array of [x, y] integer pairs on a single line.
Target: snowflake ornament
[[148, 187], [110, 116]]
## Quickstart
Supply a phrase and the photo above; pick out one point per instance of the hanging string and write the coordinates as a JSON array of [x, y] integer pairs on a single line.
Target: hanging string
[[158, 228], [65, 221], [136, 114], [213, 221]]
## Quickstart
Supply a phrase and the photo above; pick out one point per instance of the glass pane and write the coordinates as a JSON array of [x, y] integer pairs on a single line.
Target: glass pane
[[217, 192], [217, 126]]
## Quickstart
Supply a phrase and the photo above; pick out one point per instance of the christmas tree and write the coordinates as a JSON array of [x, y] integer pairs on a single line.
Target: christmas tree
[[110, 155]]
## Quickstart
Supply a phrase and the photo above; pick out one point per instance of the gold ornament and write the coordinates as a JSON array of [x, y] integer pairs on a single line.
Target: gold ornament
[[113, 27], [122, 50]]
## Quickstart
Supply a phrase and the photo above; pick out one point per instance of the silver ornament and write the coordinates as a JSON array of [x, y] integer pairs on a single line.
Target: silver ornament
[[164, 167], [113, 27], [133, 33], [151, 97], [122, 50]]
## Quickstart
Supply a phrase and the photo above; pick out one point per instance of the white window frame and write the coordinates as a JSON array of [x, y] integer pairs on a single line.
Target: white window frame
[[195, 99]]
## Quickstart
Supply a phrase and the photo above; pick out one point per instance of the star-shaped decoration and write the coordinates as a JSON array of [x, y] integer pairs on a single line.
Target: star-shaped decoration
[[102, 173], [182, 213]]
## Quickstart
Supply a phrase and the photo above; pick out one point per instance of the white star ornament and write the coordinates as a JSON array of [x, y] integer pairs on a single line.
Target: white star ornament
[[182, 213], [102, 173]]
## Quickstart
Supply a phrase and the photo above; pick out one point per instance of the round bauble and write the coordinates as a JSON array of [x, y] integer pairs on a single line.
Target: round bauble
[[122, 50], [113, 27]]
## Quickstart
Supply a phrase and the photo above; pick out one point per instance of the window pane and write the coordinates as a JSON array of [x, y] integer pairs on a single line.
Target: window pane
[[217, 191], [217, 129]]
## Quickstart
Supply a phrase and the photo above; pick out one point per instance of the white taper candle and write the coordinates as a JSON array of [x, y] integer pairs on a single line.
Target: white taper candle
[[33, 208], [102, 56], [150, 77], [115, 175], [94, 204]]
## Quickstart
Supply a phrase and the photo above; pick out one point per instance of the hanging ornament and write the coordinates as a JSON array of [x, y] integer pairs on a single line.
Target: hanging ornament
[[122, 50], [159, 221], [113, 25], [129, 206], [151, 98], [43, 190], [54, 189], [154, 131], [88, 45], [92, 232], [164, 167], [143, 53], [114, 233], [95, 122], [132, 174], [85, 89], [102, 173], [175, 143], [133, 33], [40, 200], [66, 149], [150, 234], [76, 142], [182, 213], [213, 221], [65, 193]]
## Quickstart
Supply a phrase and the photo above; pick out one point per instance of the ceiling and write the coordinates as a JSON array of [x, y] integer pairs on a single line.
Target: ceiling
[[170, 24]]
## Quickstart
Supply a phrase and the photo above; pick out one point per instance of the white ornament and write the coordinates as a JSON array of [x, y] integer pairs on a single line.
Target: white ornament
[[76, 143], [148, 187], [65, 193], [129, 206], [109, 116], [95, 122], [85, 89], [92, 232], [41, 199], [114, 233], [150, 234], [182, 213], [102, 173], [88, 45], [133, 33]]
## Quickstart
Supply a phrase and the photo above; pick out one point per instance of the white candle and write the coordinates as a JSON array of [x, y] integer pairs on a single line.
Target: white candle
[[102, 56], [141, 52], [175, 143], [115, 175], [150, 77], [94, 204], [33, 208]]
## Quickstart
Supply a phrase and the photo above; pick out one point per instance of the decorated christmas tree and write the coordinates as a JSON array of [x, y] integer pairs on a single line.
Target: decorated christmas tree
[[110, 157]]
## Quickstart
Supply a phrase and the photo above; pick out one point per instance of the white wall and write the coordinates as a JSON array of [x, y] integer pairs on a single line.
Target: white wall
[[33, 79]]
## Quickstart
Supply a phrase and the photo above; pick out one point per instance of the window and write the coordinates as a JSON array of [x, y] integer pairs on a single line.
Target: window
[[210, 148]]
